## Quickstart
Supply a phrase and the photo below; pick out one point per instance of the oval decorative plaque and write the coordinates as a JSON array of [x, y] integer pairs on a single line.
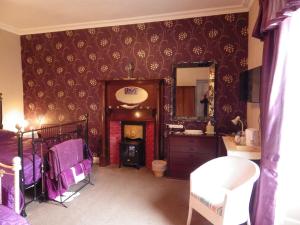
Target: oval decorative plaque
[[131, 95]]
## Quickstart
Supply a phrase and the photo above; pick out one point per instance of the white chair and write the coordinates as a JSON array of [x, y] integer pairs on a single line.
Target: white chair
[[220, 190]]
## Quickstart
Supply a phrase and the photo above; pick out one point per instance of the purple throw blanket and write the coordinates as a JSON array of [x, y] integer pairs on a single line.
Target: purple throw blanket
[[10, 217], [8, 150], [67, 166]]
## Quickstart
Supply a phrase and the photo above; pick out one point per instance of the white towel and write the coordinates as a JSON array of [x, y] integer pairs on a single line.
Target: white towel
[[80, 177]]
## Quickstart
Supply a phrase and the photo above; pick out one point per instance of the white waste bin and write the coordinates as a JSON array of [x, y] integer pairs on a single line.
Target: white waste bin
[[159, 167]]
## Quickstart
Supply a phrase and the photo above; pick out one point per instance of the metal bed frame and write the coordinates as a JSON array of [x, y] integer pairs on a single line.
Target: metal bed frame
[[48, 136]]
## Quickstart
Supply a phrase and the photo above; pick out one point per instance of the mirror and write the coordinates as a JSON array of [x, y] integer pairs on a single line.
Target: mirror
[[194, 90]]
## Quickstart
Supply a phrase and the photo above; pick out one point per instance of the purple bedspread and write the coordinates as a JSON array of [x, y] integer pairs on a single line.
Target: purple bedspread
[[68, 162], [8, 150], [10, 217]]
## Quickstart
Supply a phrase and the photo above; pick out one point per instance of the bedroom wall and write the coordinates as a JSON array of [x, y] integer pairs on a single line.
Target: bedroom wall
[[255, 51], [61, 70], [11, 85]]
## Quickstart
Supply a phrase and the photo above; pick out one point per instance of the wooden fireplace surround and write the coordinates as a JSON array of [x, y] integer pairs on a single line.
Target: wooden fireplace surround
[[149, 110]]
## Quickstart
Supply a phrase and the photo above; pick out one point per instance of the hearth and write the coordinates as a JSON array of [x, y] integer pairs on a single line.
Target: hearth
[[132, 146]]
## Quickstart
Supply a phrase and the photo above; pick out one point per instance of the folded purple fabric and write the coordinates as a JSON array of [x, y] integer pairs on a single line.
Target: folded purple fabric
[[66, 166], [56, 187], [65, 155]]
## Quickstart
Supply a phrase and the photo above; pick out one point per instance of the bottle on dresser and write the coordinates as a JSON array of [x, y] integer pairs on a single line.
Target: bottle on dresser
[[210, 129]]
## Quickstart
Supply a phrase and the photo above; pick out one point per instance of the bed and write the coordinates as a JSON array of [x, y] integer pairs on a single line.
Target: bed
[[32, 152], [8, 149], [10, 216]]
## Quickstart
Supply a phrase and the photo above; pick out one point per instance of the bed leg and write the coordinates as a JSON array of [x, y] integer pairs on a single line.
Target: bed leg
[[23, 212], [89, 179], [42, 198]]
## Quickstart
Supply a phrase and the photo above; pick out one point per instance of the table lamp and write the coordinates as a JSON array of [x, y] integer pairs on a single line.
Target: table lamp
[[235, 122]]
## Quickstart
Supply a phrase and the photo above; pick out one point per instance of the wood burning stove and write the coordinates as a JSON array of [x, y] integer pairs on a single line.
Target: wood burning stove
[[132, 153], [132, 146]]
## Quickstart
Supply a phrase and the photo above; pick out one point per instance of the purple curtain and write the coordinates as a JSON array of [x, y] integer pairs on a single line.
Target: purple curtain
[[268, 28]]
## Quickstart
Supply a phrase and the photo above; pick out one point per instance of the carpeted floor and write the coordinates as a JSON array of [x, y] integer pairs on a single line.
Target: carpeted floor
[[123, 196]]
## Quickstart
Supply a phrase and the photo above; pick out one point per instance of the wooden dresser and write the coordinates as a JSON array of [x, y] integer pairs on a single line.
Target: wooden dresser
[[188, 152]]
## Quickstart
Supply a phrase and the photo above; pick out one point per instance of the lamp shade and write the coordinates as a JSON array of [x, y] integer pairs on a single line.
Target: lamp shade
[[236, 120]]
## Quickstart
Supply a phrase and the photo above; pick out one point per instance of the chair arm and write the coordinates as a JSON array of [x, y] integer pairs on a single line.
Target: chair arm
[[237, 202]]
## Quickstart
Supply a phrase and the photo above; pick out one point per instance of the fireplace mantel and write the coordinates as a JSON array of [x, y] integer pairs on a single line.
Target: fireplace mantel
[[147, 110], [131, 115]]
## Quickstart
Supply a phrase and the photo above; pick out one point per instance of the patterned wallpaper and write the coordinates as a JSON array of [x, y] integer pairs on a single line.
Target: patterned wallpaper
[[61, 70]]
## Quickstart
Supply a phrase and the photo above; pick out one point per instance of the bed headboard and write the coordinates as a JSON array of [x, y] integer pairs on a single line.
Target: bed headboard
[[1, 125]]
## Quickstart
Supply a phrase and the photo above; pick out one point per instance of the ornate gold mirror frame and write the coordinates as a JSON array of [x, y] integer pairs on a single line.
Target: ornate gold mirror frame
[[210, 70]]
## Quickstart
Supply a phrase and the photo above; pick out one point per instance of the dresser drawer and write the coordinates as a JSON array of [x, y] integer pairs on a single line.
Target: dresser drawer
[[184, 141], [194, 149], [186, 153], [187, 148], [184, 159], [190, 158], [182, 171]]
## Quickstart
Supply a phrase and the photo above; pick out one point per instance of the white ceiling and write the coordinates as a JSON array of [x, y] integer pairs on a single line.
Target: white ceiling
[[39, 16]]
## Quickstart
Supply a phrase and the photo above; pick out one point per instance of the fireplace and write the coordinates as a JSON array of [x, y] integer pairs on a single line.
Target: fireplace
[[142, 116], [132, 145], [115, 138]]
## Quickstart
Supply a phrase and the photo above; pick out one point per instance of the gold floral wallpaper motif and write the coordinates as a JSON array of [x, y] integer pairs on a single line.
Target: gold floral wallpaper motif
[[61, 70]]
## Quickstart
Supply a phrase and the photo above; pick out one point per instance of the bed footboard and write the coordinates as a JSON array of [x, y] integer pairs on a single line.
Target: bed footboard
[[16, 167]]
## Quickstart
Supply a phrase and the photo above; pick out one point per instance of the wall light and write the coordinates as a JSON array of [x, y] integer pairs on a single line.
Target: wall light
[[41, 120], [21, 125], [12, 118], [137, 114]]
